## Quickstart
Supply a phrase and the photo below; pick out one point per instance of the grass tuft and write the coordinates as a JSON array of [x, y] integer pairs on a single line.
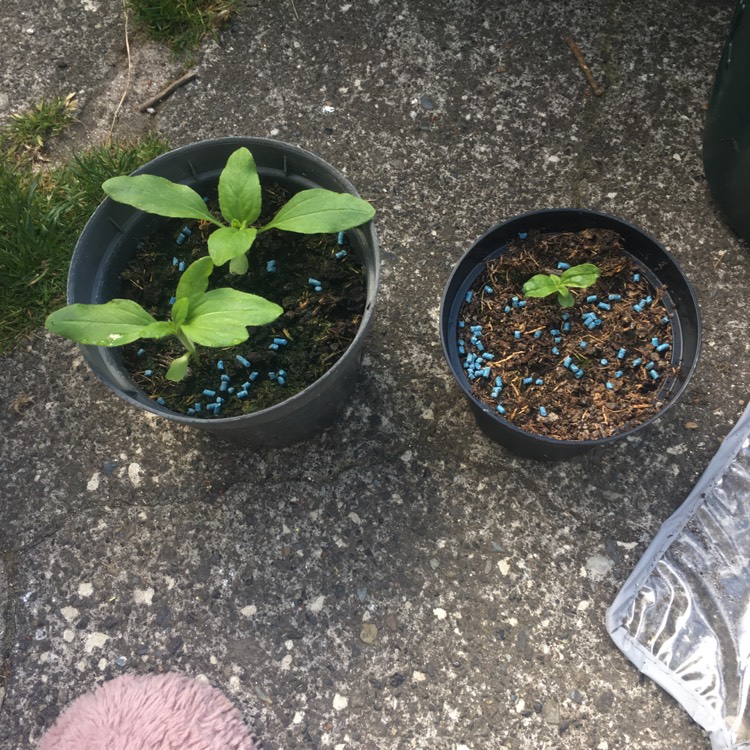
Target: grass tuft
[[26, 133], [182, 24], [42, 212]]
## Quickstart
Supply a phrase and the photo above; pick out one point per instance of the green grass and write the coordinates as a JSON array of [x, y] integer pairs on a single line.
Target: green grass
[[182, 24], [42, 212], [26, 133]]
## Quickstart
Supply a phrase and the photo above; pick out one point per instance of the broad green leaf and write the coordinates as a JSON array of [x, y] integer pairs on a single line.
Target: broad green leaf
[[178, 369], [581, 276], [158, 330], [195, 279], [542, 285], [566, 299], [221, 317], [180, 310], [239, 188], [227, 243], [158, 195], [113, 323], [239, 265], [321, 211]]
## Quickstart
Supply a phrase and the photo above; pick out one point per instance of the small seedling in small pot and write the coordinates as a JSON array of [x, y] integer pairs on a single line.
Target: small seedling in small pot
[[217, 317], [580, 277]]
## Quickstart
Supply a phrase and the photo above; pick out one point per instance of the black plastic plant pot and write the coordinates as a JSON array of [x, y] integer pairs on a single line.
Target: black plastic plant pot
[[726, 137], [109, 240], [656, 264]]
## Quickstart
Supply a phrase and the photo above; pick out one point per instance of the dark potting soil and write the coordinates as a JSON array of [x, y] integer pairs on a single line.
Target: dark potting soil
[[538, 348], [318, 326]]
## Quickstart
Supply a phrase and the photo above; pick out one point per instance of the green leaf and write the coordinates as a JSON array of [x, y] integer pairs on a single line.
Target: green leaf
[[321, 211], [227, 243], [221, 317], [581, 276], [158, 195], [239, 265], [542, 285], [178, 369], [158, 330], [180, 310], [114, 323], [565, 298], [195, 279], [239, 188]]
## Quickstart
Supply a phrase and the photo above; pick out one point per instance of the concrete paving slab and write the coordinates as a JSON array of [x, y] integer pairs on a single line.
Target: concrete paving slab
[[399, 582]]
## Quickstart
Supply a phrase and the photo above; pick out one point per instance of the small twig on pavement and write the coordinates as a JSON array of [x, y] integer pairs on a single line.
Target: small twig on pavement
[[127, 82], [165, 92], [595, 87], [719, 258]]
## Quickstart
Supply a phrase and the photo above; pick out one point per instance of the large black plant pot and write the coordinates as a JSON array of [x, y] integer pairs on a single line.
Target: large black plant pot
[[108, 243], [657, 264]]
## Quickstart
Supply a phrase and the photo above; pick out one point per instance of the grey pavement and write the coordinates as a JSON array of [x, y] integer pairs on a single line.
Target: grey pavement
[[400, 581]]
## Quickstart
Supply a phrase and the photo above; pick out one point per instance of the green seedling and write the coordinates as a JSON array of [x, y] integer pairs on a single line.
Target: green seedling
[[314, 211], [542, 285], [219, 317]]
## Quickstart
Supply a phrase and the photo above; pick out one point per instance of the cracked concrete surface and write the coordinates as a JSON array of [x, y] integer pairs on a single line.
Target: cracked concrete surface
[[400, 581]]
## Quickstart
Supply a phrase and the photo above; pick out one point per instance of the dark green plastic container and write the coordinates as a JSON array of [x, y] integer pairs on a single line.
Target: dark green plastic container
[[726, 138]]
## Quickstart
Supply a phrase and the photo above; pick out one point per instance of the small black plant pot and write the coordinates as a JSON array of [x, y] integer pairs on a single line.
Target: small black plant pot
[[655, 264], [108, 243]]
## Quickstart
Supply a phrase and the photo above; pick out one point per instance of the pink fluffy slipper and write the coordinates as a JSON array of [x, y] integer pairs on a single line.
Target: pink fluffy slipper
[[150, 712]]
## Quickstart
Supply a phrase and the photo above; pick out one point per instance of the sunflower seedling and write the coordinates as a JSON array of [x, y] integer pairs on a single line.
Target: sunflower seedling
[[219, 317], [580, 277], [315, 211]]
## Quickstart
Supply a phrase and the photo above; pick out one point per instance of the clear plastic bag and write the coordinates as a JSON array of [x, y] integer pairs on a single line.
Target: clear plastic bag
[[683, 616]]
